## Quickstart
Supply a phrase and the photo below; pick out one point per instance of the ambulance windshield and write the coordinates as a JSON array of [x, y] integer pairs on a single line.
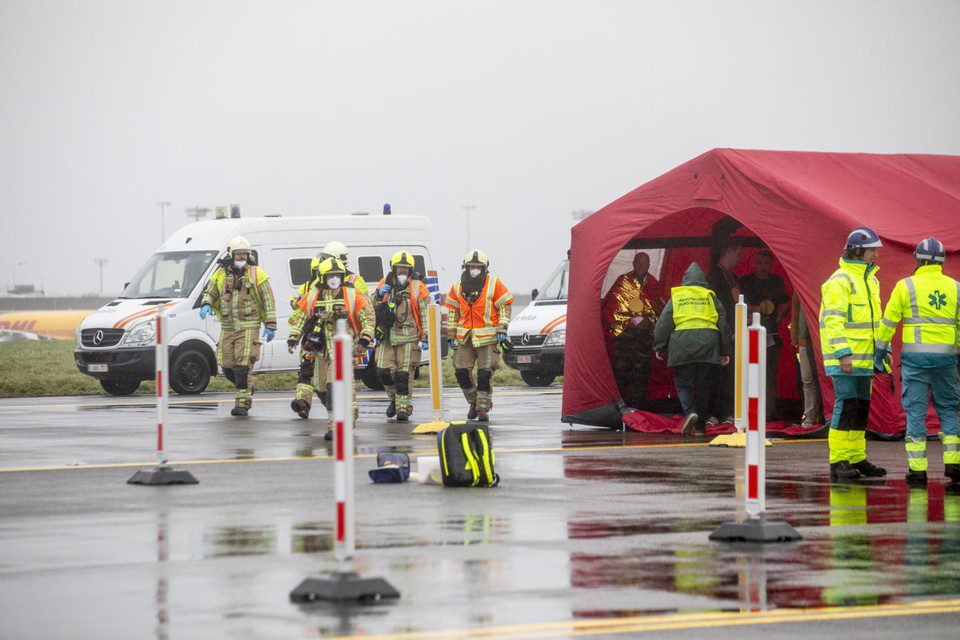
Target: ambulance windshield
[[169, 275], [556, 287]]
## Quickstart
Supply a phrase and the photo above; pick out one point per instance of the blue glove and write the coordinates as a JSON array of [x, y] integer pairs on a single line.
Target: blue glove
[[425, 346], [881, 361], [452, 344], [501, 338], [384, 289], [205, 310], [269, 334]]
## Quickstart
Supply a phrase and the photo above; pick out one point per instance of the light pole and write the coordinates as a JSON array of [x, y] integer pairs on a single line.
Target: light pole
[[468, 208], [163, 204], [100, 262]]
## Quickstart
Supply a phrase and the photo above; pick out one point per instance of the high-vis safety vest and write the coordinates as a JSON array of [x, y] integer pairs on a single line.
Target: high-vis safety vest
[[694, 308], [352, 303], [483, 316], [256, 276], [926, 302], [849, 317], [418, 291]]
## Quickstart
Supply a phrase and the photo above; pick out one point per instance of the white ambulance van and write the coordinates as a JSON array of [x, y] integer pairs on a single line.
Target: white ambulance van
[[538, 333], [115, 344]]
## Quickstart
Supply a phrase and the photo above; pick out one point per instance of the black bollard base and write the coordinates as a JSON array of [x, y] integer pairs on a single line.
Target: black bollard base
[[162, 475], [344, 587], [755, 530]]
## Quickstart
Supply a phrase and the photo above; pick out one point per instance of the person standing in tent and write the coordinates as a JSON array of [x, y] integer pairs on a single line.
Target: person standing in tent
[[766, 293], [809, 378], [927, 304], [479, 309], [849, 319], [694, 330], [629, 313], [241, 298], [726, 285]]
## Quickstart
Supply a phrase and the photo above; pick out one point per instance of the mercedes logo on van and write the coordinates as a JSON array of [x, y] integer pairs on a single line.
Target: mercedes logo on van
[[525, 339], [98, 337]]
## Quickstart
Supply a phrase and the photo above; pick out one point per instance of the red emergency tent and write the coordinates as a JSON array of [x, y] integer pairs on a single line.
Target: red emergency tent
[[801, 205]]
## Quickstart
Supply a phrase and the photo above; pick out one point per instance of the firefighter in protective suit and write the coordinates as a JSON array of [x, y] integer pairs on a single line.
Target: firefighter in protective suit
[[479, 312], [240, 295], [849, 320], [402, 300], [926, 304], [321, 308], [303, 398]]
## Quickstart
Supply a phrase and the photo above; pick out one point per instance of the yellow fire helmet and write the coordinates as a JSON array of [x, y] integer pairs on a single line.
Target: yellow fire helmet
[[315, 262], [329, 267], [238, 243], [401, 259], [476, 257], [336, 249]]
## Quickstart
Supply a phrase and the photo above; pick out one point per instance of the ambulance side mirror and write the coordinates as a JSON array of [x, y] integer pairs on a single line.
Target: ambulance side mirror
[[533, 294]]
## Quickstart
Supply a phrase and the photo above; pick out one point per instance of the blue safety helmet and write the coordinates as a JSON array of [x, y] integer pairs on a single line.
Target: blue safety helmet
[[930, 249], [862, 238]]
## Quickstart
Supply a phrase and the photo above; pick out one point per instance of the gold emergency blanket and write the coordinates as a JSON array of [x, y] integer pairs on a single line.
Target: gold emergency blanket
[[625, 301]]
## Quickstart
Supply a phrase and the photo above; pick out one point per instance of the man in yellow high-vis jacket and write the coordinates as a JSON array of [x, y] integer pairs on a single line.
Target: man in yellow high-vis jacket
[[927, 304], [849, 318]]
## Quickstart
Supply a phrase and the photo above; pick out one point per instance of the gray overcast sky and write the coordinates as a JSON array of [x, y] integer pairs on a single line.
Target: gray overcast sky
[[528, 110]]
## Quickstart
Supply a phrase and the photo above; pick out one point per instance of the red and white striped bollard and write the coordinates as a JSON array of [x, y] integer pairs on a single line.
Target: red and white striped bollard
[[755, 451], [342, 389]]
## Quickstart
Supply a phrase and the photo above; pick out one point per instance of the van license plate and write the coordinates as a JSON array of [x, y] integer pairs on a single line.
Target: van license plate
[[97, 368], [524, 359]]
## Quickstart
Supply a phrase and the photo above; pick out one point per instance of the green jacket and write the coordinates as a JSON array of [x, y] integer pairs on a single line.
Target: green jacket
[[692, 345]]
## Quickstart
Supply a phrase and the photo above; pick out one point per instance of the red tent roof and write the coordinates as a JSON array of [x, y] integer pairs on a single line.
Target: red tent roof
[[802, 205]]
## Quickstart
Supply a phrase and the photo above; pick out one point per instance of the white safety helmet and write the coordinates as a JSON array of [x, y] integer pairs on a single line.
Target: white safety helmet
[[336, 249], [476, 257], [239, 243]]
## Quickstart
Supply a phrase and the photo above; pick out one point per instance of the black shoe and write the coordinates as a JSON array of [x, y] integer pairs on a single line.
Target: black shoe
[[843, 470], [952, 471], [301, 408], [328, 435], [239, 411], [472, 413], [869, 470], [483, 416], [689, 423], [916, 478], [402, 417], [392, 409]]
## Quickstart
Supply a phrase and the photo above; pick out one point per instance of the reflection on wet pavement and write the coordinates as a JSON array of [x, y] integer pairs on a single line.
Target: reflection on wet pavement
[[587, 525]]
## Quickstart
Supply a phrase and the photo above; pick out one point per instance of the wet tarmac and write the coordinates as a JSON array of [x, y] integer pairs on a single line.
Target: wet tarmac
[[591, 533]]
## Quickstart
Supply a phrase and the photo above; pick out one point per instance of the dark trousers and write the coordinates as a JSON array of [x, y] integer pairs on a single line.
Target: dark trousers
[[694, 383], [723, 389], [773, 373]]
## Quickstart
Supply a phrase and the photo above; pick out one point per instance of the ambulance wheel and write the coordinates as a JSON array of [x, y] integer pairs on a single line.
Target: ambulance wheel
[[369, 377], [189, 372], [120, 387], [537, 379]]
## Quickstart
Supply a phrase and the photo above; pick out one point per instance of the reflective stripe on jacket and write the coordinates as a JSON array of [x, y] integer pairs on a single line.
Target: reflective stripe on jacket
[[488, 313], [259, 290], [926, 303], [849, 317], [418, 293], [693, 308]]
